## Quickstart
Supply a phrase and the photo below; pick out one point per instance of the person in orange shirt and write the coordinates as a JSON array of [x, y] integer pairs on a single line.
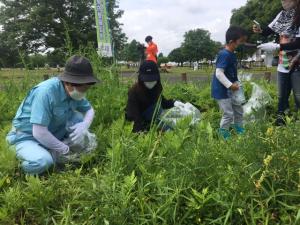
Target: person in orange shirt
[[152, 50]]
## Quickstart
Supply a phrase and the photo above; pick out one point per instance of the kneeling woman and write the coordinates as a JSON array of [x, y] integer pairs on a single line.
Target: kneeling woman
[[145, 100]]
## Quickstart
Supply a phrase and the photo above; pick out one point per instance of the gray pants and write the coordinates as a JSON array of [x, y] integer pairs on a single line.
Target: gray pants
[[287, 83], [231, 113]]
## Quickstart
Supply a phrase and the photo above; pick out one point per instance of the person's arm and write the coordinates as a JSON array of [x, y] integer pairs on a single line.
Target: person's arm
[[267, 31], [43, 136], [89, 117], [167, 103], [220, 74], [291, 46], [79, 129]]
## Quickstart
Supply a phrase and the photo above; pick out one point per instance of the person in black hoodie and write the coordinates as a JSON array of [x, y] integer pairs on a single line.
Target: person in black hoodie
[[145, 99], [287, 26]]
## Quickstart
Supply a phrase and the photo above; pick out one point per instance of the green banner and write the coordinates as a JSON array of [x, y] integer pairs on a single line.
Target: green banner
[[103, 31]]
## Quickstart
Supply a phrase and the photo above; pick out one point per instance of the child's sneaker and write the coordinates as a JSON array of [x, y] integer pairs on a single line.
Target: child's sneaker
[[280, 120], [224, 133], [239, 129]]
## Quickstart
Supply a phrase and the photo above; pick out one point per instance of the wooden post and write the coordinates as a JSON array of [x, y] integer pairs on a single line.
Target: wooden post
[[268, 76], [46, 76], [184, 77]]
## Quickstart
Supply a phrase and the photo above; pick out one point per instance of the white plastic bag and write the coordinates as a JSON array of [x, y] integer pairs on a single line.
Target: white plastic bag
[[245, 77], [238, 97], [180, 111], [87, 144], [255, 108], [269, 59]]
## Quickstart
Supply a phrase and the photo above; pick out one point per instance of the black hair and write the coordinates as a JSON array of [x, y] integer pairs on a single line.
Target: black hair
[[148, 38], [234, 33], [296, 22]]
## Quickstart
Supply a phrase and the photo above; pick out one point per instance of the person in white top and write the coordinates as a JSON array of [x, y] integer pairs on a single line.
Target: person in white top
[[286, 25]]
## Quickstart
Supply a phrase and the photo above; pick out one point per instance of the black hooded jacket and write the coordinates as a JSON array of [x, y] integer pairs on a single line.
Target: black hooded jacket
[[140, 99]]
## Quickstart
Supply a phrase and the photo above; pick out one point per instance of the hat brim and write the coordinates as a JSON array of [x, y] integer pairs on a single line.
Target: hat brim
[[149, 77], [67, 77]]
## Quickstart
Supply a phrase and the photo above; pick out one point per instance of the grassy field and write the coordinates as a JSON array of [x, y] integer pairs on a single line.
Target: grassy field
[[186, 176], [20, 73], [205, 71]]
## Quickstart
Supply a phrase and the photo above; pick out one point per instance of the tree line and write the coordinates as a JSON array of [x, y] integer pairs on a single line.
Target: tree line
[[29, 28]]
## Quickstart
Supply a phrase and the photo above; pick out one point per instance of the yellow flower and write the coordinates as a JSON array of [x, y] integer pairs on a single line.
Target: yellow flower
[[270, 131], [257, 184], [268, 160]]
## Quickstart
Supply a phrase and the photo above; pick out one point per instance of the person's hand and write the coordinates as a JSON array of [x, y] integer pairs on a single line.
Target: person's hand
[[79, 130], [257, 29], [269, 47], [235, 87], [66, 150], [284, 39]]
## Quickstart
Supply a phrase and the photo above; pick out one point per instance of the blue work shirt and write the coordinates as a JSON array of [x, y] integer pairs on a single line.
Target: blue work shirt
[[226, 60], [48, 105]]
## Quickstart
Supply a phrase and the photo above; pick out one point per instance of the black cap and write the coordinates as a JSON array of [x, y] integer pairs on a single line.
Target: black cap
[[148, 38], [149, 72], [78, 70]]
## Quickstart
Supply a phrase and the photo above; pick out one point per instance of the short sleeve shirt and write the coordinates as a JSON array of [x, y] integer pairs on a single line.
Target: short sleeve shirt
[[151, 52], [226, 60]]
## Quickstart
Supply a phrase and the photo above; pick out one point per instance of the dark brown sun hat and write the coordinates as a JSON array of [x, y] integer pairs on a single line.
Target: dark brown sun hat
[[78, 70]]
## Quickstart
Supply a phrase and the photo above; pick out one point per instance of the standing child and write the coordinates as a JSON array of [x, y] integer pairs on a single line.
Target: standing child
[[225, 83]]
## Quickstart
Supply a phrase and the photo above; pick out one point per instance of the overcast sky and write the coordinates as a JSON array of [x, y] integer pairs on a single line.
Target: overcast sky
[[168, 20]]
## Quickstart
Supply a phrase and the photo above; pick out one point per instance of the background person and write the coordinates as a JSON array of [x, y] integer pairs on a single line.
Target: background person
[[286, 25], [144, 104], [152, 50]]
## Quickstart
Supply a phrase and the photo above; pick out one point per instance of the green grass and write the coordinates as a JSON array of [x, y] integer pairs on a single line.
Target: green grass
[[21, 73], [187, 176], [203, 71]]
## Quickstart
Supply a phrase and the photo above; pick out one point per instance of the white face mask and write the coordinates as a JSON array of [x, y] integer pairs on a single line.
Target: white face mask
[[150, 85], [288, 4], [77, 95]]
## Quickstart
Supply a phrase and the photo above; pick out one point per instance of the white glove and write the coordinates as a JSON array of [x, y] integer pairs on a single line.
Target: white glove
[[79, 130], [178, 104], [66, 151], [269, 47]]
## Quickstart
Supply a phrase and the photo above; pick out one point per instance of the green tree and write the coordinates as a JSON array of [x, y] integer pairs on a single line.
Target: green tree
[[9, 56], [38, 60], [161, 59], [177, 56], [34, 26], [160, 55], [262, 11], [131, 52], [118, 37], [198, 45], [38, 25]]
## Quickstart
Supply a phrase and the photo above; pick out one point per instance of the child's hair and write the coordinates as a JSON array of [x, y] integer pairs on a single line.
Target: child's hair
[[234, 33]]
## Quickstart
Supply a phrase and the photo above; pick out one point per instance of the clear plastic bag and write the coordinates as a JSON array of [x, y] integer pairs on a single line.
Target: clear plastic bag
[[86, 145], [180, 111], [255, 108], [238, 97], [245, 77]]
